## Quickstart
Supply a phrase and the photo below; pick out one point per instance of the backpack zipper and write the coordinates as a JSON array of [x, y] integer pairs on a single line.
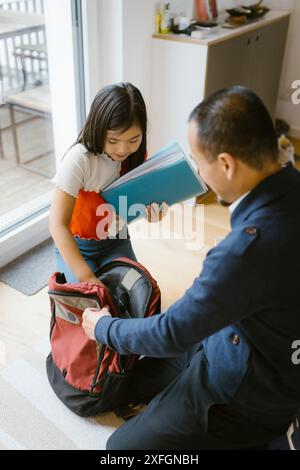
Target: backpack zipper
[[94, 382], [74, 294], [53, 317]]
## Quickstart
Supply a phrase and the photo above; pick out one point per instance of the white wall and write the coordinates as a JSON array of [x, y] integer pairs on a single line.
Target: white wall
[[120, 33], [91, 34], [187, 6], [103, 44], [61, 74], [138, 27], [123, 44]]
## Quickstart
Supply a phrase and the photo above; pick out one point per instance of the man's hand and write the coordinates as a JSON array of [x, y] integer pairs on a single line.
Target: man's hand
[[156, 212], [90, 318]]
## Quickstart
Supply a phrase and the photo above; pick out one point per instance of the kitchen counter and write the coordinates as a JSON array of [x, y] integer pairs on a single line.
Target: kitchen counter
[[222, 34]]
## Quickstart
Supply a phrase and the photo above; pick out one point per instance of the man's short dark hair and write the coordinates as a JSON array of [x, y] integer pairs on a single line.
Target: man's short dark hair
[[235, 120]]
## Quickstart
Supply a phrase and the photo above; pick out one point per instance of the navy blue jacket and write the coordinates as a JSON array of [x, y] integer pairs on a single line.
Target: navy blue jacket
[[244, 307]]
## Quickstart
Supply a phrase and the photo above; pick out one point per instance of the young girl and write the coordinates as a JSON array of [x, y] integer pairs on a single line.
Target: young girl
[[112, 142]]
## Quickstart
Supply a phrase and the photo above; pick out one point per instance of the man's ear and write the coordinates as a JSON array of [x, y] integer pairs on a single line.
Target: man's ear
[[228, 164]]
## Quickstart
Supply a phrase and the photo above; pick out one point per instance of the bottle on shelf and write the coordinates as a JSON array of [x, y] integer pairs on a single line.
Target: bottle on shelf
[[201, 10], [213, 8], [206, 9], [158, 21], [165, 19]]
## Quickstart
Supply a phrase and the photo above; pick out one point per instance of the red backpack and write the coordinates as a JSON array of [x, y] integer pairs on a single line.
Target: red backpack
[[88, 377]]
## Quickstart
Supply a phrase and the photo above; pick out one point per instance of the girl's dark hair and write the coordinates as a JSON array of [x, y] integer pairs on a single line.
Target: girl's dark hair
[[115, 107]]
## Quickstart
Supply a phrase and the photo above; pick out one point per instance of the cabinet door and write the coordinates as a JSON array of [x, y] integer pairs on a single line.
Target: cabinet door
[[267, 51], [229, 64], [253, 59]]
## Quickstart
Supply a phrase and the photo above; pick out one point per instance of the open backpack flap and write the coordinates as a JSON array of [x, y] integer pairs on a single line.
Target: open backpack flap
[[89, 377]]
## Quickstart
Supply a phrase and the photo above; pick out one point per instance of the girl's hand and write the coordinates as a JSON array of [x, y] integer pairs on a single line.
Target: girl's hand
[[156, 212], [91, 280], [90, 318]]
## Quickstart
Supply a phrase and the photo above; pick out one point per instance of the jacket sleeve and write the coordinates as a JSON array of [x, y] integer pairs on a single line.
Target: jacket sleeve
[[221, 295]]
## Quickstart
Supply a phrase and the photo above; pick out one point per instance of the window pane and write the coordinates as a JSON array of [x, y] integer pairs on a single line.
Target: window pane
[[27, 155]]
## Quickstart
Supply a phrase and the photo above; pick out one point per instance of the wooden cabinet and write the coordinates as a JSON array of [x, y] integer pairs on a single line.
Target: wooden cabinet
[[253, 59], [185, 70], [267, 53]]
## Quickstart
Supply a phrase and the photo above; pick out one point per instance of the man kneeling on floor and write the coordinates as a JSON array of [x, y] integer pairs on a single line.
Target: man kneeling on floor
[[218, 371]]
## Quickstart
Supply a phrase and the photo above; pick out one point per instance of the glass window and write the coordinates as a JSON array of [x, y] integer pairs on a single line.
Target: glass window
[[41, 87]]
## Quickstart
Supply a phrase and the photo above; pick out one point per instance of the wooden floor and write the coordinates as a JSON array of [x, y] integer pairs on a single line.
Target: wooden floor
[[20, 185]]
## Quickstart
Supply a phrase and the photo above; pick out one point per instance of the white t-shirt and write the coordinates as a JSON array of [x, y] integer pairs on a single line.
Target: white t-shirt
[[80, 169]]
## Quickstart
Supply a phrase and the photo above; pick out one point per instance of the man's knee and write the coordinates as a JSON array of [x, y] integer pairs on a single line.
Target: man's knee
[[134, 434], [120, 440], [112, 443]]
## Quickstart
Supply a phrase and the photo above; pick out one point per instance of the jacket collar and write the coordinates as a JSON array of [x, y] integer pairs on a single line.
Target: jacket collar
[[271, 188]]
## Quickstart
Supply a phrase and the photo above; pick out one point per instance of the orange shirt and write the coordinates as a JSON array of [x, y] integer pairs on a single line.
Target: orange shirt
[[84, 219]]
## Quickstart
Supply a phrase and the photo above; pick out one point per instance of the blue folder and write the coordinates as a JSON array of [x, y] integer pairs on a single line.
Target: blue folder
[[172, 182]]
